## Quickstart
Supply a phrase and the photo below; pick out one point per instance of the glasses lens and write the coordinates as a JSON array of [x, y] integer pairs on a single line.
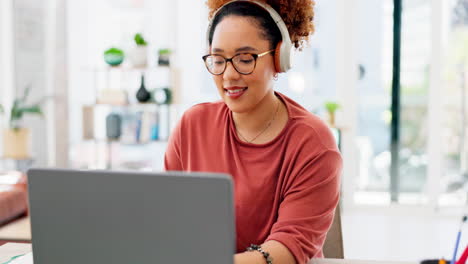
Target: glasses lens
[[215, 64], [244, 63]]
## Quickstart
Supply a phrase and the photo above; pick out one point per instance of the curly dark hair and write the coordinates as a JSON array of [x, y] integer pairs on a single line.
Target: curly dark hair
[[298, 15]]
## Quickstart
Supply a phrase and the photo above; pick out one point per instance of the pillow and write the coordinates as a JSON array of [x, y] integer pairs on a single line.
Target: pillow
[[13, 195]]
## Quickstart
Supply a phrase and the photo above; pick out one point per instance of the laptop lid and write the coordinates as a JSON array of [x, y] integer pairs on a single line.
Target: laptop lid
[[129, 217]]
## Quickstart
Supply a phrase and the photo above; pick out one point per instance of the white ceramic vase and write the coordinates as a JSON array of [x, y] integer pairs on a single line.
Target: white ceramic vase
[[138, 56]]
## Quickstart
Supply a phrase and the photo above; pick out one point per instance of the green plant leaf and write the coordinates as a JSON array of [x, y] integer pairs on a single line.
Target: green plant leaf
[[114, 51], [14, 113], [164, 51], [27, 90], [14, 108], [17, 113], [1, 109], [19, 108], [332, 106], [34, 109], [139, 40]]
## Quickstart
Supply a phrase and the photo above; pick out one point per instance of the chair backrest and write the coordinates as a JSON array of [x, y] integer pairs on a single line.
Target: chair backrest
[[333, 247]]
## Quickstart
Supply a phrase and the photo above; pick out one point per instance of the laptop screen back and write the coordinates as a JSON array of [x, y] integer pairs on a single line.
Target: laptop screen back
[[127, 217]]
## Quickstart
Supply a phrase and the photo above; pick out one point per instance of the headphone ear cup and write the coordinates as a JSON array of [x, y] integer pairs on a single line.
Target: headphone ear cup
[[278, 57]]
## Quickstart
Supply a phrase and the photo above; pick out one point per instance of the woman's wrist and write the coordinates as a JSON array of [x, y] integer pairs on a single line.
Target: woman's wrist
[[249, 258], [259, 249]]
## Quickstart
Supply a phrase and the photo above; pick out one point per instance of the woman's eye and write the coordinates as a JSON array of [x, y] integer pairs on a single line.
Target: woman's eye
[[245, 58], [247, 61]]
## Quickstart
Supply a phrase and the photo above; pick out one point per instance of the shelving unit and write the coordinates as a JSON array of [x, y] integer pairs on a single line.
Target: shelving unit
[[143, 125]]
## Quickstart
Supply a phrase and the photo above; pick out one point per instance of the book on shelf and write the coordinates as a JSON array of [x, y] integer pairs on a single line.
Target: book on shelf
[[140, 127], [137, 126]]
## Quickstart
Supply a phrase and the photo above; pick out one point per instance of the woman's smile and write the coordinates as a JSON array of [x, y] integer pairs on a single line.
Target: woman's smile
[[234, 92]]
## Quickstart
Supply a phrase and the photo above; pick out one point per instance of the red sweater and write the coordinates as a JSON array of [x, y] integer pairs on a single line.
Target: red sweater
[[285, 190]]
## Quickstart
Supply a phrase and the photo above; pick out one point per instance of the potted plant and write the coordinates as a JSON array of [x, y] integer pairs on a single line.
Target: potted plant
[[114, 56], [164, 57], [138, 55], [331, 108], [16, 138]]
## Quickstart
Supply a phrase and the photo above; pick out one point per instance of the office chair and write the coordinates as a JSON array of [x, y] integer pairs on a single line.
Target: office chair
[[333, 247]]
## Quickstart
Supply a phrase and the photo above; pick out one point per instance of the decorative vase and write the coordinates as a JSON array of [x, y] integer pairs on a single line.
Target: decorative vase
[[138, 56], [16, 143], [162, 96], [113, 126], [114, 56], [142, 94]]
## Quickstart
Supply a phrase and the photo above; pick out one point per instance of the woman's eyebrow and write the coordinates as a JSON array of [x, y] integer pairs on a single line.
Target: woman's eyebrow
[[217, 50], [245, 48]]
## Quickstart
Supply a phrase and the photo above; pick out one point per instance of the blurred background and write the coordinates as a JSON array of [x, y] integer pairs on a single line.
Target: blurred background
[[100, 84]]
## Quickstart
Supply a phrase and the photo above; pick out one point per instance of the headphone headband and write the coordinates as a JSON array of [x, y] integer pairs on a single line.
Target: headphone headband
[[283, 52]]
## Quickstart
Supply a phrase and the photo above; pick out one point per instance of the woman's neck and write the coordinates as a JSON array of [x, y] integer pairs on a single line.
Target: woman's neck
[[259, 118]]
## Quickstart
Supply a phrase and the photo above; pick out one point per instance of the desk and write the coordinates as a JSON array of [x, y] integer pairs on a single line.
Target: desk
[[17, 231], [13, 249], [347, 261]]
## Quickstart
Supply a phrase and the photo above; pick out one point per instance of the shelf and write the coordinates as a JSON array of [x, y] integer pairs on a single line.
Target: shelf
[[97, 104], [123, 143], [26, 159], [125, 68]]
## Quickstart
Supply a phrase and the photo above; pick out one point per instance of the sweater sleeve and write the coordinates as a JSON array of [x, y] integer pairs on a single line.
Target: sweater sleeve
[[307, 209], [172, 157]]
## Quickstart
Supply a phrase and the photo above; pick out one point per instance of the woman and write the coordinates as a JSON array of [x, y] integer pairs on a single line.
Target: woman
[[284, 161]]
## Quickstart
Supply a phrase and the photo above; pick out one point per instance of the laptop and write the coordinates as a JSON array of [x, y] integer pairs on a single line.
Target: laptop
[[113, 217]]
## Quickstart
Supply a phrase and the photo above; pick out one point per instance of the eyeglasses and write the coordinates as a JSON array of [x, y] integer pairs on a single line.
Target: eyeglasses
[[243, 63]]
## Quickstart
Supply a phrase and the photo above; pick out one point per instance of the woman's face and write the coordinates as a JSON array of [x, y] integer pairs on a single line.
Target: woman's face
[[242, 93]]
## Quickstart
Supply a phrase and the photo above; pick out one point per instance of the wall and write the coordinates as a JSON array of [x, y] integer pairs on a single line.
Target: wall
[[6, 58], [29, 39], [39, 62]]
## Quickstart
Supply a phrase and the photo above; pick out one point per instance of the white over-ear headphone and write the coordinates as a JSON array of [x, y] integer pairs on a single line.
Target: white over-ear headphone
[[283, 59]]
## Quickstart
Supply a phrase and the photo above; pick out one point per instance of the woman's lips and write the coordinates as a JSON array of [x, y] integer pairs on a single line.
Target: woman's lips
[[235, 92]]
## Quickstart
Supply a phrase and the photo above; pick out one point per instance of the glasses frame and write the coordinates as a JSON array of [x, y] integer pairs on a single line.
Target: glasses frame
[[226, 60]]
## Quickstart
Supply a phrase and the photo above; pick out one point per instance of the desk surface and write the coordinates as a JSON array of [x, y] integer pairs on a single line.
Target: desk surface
[[10, 250], [16, 231]]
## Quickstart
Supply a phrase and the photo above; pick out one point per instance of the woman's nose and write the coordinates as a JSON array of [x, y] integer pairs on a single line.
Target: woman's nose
[[230, 73]]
